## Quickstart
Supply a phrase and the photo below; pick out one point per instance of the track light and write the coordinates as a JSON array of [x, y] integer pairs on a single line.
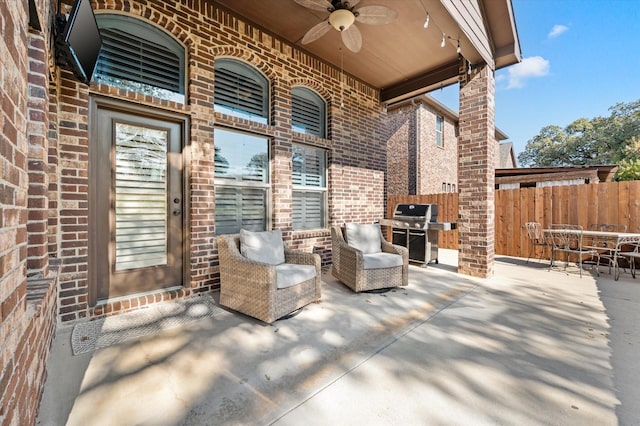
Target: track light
[[443, 42]]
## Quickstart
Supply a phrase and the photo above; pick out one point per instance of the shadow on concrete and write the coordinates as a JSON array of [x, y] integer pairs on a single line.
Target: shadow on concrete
[[526, 346], [621, 300]]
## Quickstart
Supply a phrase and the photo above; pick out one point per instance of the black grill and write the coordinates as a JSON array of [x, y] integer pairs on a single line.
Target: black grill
[[416, 227]]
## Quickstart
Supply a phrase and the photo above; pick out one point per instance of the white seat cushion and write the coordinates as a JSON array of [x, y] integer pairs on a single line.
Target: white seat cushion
[[366, 238], [289, 274], [264, 247], [381, 260]]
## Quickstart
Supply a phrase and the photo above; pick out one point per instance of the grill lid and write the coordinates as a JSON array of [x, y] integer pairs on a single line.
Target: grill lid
[[427, 212]]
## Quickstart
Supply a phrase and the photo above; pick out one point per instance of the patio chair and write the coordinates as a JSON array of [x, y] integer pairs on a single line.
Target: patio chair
[[364, 261], [606, 246], [537, 238], [262, 278], [631, 253], [567, 239]]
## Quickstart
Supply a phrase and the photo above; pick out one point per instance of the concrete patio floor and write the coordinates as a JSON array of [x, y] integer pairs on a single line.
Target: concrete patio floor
[[527, 346]]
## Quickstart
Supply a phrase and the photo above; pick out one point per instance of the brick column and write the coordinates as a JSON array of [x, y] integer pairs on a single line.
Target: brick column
[[37, 128], [477, 151]]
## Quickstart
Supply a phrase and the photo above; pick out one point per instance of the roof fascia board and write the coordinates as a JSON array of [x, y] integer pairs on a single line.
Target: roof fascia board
[[469, 18]]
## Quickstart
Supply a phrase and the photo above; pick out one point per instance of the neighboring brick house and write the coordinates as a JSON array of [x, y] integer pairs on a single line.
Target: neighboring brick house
[[223, 125], [422, 150]]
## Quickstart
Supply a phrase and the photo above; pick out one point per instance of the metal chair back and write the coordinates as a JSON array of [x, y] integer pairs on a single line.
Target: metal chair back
[[568, 239], [537, 238], [534, 231]]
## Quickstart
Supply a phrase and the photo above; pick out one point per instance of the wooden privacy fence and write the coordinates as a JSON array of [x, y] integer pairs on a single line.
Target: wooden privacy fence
[[610, 202]]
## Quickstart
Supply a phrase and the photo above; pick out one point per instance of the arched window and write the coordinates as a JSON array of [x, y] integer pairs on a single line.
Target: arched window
[[241, 90], [308, 112], [140, 57]]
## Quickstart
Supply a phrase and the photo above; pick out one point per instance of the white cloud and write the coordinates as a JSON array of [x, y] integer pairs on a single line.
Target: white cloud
[[557, 30], [534, 66]]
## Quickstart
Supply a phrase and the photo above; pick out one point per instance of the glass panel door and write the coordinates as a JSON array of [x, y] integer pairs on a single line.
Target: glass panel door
[[136, 217]]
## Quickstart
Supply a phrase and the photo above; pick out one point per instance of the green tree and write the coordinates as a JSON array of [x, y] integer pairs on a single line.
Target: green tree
[[629, 166], [600, 140], [545, 149]]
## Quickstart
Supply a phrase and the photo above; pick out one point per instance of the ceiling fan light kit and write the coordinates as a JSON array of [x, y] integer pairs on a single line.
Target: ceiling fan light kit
[[343, 16], [342, 19]]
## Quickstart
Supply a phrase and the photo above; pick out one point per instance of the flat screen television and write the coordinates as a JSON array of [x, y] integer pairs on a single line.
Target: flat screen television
[[78, 41]]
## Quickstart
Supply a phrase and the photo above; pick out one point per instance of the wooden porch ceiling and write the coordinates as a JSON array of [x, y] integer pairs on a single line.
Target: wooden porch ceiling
[[402, 59]]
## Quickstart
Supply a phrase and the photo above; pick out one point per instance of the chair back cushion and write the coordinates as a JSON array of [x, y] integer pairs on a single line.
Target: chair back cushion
[[264, 246], [366, 238]]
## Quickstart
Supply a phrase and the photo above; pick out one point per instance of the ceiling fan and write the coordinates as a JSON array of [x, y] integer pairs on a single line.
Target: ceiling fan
[[342, 16]]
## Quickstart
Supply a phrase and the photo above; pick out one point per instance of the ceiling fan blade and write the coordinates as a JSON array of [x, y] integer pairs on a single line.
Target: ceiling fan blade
[[352, 38], [316, 32], [353, 3], [376, 15], [322, 5]]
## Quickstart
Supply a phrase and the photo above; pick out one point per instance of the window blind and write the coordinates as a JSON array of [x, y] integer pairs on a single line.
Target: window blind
[[307, 112], [128, 57], [241, 90]]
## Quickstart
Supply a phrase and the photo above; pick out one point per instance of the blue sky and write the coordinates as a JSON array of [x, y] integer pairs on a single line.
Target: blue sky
[[580, 57]]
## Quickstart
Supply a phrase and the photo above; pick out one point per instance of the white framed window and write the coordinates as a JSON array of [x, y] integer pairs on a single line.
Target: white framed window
[[241, 91], [440, 131], [309, 176], [241, 181], [308, 112]]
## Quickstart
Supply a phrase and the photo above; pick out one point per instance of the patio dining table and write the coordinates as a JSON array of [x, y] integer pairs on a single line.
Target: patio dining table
[[618, 241]]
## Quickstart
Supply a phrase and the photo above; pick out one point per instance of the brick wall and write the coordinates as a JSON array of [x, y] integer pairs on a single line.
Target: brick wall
[[437, 165], [355, 143], [13, 205], [27, 282], [401, 165]]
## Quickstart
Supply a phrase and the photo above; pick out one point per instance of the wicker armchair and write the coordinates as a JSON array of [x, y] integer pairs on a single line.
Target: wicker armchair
[[349, 265], [250, 287]]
